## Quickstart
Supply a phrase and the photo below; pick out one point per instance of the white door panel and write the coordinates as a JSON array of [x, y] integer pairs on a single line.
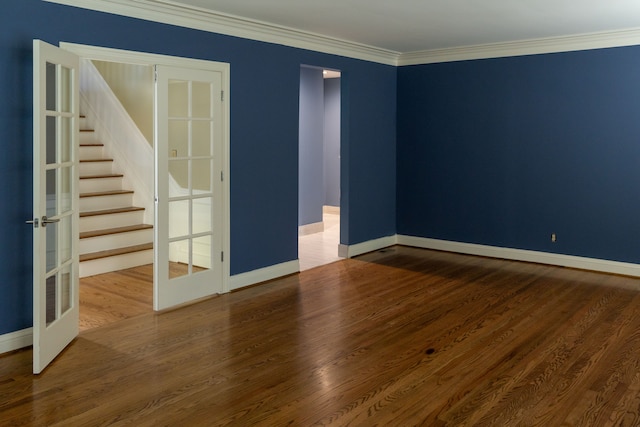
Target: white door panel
[[189, 202], [55, 202]]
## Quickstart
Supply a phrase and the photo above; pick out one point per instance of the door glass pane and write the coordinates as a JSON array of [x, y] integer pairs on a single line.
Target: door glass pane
[[201, 138], [178, 218], [50, 299], [178, 178], [202, 215], [179, 258], [66, 296], [65, 89], [52, 246], [178, 138], [51, 87], [52, 139], [178, 98], [201, 94], [66, 138], [201, 178], [50, 185], [201, 253], [65, 189], [65, 238]]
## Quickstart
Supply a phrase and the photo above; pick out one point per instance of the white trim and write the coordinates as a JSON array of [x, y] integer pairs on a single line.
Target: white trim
[[583, 263], [601, 40], [349, 251], [314, 227], [168, 12], [263, 274], [172, 13], [16, 340]]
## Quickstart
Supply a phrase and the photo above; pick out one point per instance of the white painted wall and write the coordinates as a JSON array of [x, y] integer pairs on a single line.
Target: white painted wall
[[133, 86]]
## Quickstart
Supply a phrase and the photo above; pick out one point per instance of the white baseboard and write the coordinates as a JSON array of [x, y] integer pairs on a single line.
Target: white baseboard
[[263, 274], [583, 263], [349, 251], [16, 340], [314, 227]]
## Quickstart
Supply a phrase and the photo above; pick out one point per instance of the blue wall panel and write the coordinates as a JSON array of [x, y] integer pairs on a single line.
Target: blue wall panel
[[311, 142], [264, 135], [332, 142], [505, 152]]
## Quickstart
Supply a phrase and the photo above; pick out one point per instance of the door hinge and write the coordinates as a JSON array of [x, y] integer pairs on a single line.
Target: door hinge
[[221, 176], [155, 73], [221, 256], [221, 96]]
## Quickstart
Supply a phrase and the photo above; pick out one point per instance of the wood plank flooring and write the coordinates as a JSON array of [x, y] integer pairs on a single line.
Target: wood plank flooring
[[111, 297], [397, 337]]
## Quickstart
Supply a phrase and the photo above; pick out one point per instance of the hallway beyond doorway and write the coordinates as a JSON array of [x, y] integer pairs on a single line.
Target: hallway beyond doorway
[[320, 248]]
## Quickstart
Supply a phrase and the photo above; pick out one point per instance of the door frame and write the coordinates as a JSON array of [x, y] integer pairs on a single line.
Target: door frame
[[150, 59]]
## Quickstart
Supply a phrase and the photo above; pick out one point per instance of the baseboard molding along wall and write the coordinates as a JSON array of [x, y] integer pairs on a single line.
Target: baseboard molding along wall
[[16, 340], [314, 227], [583, 263], [349, 251], [263, 274]]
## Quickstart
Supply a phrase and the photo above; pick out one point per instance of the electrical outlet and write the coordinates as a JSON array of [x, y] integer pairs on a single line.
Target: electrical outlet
[[553, 237]]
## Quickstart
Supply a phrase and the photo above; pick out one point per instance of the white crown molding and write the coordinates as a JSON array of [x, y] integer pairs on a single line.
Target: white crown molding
[[601, 40], [169, 12]]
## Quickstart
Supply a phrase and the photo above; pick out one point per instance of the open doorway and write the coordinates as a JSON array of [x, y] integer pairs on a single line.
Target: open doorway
[[319, 167], [116, 209]]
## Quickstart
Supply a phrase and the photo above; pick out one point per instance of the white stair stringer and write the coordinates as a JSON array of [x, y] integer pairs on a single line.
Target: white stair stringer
[[113, 235]]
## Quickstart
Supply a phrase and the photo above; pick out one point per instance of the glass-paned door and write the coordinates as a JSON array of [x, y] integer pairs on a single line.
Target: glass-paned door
[[55, 210], [188, 185]]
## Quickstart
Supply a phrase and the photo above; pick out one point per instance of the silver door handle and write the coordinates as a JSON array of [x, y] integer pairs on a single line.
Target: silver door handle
[[46, 221]]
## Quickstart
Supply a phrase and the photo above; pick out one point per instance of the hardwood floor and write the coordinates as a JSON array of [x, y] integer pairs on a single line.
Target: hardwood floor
[[397, 337], [111, 297]]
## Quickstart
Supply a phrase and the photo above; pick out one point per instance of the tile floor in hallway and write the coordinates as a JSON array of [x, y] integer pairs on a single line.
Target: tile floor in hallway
[[320, 248]]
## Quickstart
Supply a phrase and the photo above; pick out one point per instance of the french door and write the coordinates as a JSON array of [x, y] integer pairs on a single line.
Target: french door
[[189, 203], [55, 202]]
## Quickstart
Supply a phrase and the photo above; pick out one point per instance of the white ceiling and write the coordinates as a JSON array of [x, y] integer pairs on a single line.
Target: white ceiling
[[417, 25]]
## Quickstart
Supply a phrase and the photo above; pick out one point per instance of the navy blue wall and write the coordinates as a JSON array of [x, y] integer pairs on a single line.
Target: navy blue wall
[[332, 142], [264, 136], [505, 152], [311, 139]]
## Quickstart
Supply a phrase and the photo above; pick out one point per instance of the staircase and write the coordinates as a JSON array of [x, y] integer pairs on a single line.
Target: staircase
[[113, 235]]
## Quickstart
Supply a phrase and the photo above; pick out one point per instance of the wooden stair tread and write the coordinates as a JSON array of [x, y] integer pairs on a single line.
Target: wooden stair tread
[[91, 144], [106, 193], [115, 252], [87, 130], [106, 175], [95, 160], [117, 230], [111, 211]]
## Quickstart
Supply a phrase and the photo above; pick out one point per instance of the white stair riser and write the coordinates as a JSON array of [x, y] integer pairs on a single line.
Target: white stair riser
[[120, 262], [90, 152], [87, 137], [100, 222], [100, 184], [98, 203], [95, 168], [115, 241]]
